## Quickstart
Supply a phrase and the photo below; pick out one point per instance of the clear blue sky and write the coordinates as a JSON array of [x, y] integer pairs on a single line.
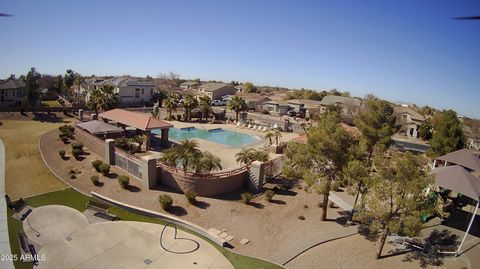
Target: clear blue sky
[[409, 51]]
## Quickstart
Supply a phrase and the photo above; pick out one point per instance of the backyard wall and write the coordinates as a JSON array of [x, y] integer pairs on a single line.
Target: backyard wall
[[203, 184]]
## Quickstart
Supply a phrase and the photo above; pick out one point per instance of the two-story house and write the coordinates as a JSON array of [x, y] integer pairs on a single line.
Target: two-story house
[[11, 92], [216, 90]]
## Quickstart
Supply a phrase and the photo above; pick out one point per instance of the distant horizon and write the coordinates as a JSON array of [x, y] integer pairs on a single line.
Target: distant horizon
[[408, 51]]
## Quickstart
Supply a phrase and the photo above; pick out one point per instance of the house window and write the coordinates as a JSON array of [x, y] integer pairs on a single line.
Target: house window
[[137, 93]]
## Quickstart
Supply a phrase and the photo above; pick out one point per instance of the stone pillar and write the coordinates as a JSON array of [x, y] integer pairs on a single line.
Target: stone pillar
[[256, 176], [80, 114], [109, 151], [164, 137], [149, 171]]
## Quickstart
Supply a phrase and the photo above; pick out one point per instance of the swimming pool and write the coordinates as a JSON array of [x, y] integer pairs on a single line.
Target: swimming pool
[[226, 137]]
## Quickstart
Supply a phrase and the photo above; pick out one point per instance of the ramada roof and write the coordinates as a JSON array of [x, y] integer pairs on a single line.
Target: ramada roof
[[464, 157], [134, 119]]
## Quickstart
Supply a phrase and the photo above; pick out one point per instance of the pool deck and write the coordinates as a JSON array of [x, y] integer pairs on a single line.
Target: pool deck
[[224, 152]]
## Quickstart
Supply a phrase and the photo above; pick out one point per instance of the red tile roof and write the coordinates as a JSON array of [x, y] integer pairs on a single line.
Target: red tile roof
[[134, 119]]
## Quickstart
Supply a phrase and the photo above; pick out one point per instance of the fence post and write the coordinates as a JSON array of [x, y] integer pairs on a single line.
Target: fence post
[[256, 176], [109, 151], [149, 171]]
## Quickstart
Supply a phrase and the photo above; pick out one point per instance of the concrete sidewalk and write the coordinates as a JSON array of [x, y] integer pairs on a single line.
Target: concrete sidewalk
[[4, 240]]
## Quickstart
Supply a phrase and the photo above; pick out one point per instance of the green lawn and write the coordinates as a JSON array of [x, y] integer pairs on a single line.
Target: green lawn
[[51, 103], [72, 198]]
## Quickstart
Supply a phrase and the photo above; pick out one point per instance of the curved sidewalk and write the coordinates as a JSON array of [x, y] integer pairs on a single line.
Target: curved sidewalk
[[4, 239]]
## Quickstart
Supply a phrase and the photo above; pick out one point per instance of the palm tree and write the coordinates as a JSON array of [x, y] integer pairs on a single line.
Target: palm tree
[[169, 157], [238, 105], [187, 152], [270, 135], [103, 99], [277, 135], [207, 162], [244, 156], [205, 106], [189, 103], [170, 103]]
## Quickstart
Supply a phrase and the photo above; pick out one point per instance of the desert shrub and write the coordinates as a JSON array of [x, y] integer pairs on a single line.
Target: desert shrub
[[96, 164], [336, 185], [73, 173], [95, 180], [191, 197], [104, 169], [332, 205], [63, 137], [61, 153], [246, 197], [301, 218], [76, 153], [305, 206], [66, 128], [124, 181], [165, 201], [269, 195], [77, 145]]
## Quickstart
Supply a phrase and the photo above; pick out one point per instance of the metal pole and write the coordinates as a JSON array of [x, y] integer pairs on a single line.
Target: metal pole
[[468, 228]]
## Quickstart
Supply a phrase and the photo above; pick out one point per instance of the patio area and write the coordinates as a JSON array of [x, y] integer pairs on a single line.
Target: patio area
[[67, 240]]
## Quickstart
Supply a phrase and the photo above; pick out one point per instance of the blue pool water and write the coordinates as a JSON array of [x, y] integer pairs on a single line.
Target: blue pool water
[[221, 136]]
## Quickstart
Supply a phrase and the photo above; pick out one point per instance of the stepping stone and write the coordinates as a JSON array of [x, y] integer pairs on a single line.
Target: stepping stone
[[229, 238], [244, 241], [223, 235]]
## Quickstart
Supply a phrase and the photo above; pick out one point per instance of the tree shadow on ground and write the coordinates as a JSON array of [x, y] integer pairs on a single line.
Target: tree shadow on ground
[[437, 241], [132, 188], [278, 202], [459, 219], [112, 175], [177, 211], [256, 205], [202, 204], [343, 218], [164, 188], [46, 117]]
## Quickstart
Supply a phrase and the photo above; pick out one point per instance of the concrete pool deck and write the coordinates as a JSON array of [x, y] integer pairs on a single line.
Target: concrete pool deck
[[118, 244], [224, 152]]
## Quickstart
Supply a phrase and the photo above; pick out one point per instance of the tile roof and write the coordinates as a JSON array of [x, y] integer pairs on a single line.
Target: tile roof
[[212, 86], [464, 157], [134, 119], [12, 84], [306, 102], [334, 99], [99, 127], [413, 114]]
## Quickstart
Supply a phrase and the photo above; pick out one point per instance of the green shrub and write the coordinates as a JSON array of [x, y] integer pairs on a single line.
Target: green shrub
[[73, 173], [96, 164], [124, 181], [301, 218], [95, 180], [246, 197], [105, 169], [61, 153], [66, 128], [64, 139], [76, 153], [269, 195], [191, 197], [77, 145], [336, 185], [165, 201]]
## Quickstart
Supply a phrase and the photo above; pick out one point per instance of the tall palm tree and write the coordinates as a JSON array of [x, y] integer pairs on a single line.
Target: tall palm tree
[[205, 105], [103, 99], [238, 105], [189, 103], [277, 135], [171, 104], [187, 153], [270, 135], [207, 162]]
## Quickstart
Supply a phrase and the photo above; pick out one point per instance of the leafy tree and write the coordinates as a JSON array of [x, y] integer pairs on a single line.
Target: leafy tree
[[321, 160], [396, 199], [427, 111], [357, 176], [58, 84], [205, 106], [171, 104], [249, 87], [377, 125], [69, 80], [158, 96], [189, 103], [448, 134], [238, 105], [425, 130], [31, 94]]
